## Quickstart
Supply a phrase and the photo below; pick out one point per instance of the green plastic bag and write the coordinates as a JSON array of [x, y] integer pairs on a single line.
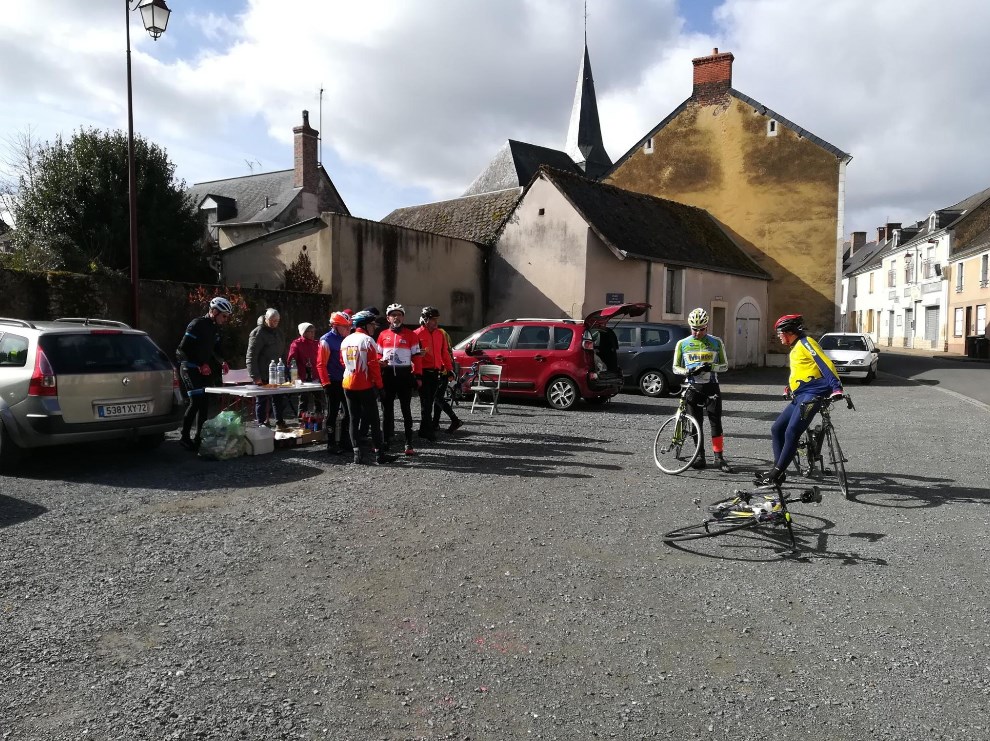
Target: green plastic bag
[[223, 437]]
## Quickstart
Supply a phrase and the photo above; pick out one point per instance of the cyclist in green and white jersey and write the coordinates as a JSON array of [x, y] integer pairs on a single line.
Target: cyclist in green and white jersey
[[700, 358]]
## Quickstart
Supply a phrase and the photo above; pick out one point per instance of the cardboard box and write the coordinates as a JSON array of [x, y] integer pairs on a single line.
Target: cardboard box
[[299, 436]]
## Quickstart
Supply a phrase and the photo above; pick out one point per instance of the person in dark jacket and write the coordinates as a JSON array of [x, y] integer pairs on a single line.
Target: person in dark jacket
[[200, 363], [330, 368], [265, 344]]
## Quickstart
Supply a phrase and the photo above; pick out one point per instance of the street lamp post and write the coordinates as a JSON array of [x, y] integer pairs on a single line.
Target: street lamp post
[[154, 14]]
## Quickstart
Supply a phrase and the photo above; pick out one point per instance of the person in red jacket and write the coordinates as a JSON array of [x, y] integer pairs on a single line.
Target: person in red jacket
[[304, 350], [436, 365], [362, 383], [400, 357]]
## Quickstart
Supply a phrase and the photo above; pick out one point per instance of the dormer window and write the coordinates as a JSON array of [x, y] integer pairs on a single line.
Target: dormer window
[[933, 221], [772, 127], [896, 237], [648, 146]]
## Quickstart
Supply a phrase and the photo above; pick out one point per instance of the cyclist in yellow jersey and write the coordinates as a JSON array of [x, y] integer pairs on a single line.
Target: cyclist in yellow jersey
[[813, 379]]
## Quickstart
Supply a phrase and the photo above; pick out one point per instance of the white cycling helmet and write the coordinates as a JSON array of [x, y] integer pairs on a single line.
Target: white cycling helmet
[[395, 307], [698, 319], [222, 305]]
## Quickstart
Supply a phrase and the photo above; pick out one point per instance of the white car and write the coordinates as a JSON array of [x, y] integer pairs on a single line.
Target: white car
[[854, 354]]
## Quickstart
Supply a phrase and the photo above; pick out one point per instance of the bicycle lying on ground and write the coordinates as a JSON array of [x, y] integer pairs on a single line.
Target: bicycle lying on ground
[[678, 442], [746, 509], [811, 448]]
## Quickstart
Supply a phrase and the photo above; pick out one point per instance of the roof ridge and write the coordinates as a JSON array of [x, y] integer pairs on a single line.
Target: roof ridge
[[244, 177]]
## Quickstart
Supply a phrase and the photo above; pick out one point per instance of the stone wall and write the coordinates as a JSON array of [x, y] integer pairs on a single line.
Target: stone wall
[[165, 306]]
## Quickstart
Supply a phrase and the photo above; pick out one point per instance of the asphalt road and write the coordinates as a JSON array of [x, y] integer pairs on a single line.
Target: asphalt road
[[962, 376]]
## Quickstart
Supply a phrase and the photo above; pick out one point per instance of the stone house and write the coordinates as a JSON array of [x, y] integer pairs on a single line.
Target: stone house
[[241, 209], [775, 186]]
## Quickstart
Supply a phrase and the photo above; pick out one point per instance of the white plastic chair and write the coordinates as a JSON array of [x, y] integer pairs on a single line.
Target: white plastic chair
[[488, 381]]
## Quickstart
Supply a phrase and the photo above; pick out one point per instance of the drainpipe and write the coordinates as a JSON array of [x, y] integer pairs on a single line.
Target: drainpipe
[[649, 275]]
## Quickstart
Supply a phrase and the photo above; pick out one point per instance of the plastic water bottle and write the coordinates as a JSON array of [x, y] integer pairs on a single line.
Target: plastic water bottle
[[280, 372], [272, 372], [293, 371]]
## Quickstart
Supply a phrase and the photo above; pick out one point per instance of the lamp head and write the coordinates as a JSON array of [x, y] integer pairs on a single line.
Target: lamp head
[[154, 15]]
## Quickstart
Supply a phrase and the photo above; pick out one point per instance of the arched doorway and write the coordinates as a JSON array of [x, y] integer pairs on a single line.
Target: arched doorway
[[747, 349]]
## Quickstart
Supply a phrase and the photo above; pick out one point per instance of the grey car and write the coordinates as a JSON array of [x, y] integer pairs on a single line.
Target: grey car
[[646, 354], [82, 380]]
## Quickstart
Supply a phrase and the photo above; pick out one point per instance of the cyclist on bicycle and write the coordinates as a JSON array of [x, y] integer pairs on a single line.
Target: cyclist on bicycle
[[700, 358], [813, 380]]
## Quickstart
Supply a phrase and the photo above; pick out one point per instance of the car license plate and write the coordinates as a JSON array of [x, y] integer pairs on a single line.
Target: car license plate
[[136, 409]]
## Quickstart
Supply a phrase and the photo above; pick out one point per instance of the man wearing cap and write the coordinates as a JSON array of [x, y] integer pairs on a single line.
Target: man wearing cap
[[330, 369], [362, 383]]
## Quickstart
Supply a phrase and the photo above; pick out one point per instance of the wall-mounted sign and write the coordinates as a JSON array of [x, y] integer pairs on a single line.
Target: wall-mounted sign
[[615, 299]]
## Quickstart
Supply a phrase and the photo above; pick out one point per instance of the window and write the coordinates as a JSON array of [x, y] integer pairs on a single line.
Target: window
[[648, 146], [533, 338], [654, 337], [673, 299], [562, 337], [771, 128], [625, 336], [983, 270], [909, 271], [13, 351], [494, 339], [957, 330], [981, 319], [855, 285], [542, 211], [892, 275], [74, 354], [871, 282], [959, 277]]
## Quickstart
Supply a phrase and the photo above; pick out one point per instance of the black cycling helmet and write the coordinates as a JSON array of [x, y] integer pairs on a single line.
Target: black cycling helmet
[[793, 323], [428, 312]]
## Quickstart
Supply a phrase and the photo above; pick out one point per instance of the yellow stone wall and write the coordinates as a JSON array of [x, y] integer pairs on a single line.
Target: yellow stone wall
[[778, 196]]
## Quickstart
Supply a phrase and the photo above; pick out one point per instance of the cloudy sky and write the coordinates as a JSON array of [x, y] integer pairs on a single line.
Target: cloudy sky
[[419, 94]]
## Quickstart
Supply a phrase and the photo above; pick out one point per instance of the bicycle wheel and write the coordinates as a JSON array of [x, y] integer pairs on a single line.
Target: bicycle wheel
[[677, 444], [838, 461], [710, 529]]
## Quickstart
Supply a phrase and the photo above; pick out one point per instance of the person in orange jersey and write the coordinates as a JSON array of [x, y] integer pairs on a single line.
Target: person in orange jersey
[[363, 383]]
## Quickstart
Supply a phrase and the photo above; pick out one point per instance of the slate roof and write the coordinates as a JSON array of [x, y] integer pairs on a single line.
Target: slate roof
[[637, 225], [584, 133], [249, 193], [515, 164], [476, 218], [769, 113]]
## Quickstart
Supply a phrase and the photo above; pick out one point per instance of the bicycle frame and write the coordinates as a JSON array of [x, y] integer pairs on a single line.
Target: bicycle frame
[[675, 432]]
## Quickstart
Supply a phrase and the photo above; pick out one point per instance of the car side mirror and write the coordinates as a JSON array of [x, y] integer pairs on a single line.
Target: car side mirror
[[469, 348], [876, 350]]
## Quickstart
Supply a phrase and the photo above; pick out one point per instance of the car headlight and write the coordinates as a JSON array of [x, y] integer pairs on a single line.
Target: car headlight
[[857, 361]]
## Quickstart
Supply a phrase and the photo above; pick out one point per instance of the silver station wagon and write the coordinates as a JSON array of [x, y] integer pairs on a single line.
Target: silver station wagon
[[82, 380]]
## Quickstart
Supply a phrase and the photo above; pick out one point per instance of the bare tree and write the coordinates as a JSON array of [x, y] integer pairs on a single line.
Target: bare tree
[[18, 162]]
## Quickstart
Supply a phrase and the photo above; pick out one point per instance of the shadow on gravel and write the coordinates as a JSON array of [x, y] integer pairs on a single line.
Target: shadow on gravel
[[15, 511], [911, 492], [112, 464], [763, 545]]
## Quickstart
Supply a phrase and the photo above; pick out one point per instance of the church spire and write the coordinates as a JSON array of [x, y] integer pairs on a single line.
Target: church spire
[[584, 135]]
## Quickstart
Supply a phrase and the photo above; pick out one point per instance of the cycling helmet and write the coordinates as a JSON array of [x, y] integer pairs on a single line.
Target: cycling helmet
[[698, 319], [428, 312], [340, 319], [222, 305], [792, 323], [395, 307], [362, 318]]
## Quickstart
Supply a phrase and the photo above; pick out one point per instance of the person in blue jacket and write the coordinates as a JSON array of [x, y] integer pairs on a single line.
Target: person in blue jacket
[[330, 369]]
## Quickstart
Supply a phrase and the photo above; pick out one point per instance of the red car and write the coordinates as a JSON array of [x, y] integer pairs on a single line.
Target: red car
[[551, 358]]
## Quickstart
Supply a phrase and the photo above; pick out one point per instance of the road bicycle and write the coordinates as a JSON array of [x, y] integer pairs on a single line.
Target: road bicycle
[[678, 442], [809, 459], [765, 507]]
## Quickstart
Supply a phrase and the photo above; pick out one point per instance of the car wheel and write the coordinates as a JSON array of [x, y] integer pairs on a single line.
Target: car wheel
[[10, 452], [653, 383], [869, 377], [562, 393]]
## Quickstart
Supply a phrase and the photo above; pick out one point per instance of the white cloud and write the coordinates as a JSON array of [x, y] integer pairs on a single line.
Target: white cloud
[[418, 96]]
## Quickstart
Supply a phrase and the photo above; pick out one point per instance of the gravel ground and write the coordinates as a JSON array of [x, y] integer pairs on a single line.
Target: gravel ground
[[509, 583]]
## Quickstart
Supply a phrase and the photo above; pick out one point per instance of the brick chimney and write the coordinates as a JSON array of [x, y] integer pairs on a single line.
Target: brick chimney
[[306, 165], [858, 240], [712, 76], [881, 234]]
